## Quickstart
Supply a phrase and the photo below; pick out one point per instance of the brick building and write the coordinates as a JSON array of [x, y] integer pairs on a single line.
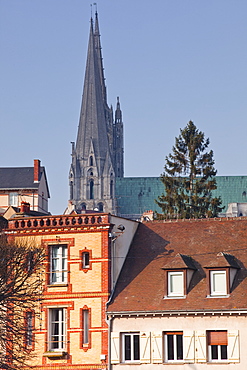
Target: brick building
[[69, 330], [24, 184]]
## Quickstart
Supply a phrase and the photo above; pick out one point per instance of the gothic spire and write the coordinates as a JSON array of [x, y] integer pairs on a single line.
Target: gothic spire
[[100, 58], [92, 171], [92, 125]]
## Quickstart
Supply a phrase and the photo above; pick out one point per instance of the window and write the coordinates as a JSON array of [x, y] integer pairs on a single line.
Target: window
[[13, 199], [57, 327], [175, 283], [218, 283], [91, 189], [58, 264], [173, 346], [85, 327], [29, 328], [85, 260], [130, 347], [217, 345]]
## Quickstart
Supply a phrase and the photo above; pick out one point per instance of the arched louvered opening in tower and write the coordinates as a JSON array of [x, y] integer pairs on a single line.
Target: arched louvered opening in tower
[[91, 189]]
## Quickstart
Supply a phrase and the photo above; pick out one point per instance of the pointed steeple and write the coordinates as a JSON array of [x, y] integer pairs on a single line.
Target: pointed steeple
[[92, 172], [92, 125], [100, 58]]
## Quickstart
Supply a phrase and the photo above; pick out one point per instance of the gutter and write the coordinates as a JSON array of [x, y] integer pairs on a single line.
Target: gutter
[[177, 313]]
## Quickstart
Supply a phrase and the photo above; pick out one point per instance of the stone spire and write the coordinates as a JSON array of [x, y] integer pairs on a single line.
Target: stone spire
[[92, 172]]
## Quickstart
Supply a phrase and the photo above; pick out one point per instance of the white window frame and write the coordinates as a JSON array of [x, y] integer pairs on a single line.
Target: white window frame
[[213, 291], [59, 327], [13, 199], [219, 354], [174, 348], [58, 264], [170, 292], [132, 348]]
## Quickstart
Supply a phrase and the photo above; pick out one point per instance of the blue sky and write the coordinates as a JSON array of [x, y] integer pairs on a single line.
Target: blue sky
[[168, 61]]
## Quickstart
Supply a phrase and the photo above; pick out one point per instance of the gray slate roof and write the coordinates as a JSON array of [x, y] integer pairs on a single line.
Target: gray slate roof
[[18, 178]]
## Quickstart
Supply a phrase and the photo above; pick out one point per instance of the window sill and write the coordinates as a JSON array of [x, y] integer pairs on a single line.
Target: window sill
[[54, 354], [57, 285], [175, 297], [218, 296]]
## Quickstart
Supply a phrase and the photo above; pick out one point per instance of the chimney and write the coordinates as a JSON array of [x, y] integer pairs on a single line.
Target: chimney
[[36, 170], [25, 207]]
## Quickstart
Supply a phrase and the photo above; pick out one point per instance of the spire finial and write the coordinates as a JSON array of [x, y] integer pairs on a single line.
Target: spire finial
[[95, 4]]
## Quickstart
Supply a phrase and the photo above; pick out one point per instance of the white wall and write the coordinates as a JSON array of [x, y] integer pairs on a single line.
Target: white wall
[[152, 326], [121, 242]]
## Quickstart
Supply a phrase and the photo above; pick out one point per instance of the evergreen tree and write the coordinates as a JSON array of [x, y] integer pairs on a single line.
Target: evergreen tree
[[189, 178]]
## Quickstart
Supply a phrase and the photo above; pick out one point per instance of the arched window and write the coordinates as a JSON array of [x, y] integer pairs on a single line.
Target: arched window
[[71, 189], [91, 190], [83, 206], [111, 188], [91, 160], [100, 207]]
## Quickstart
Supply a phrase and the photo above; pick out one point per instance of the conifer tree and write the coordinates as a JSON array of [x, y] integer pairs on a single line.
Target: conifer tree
[[189, 178]]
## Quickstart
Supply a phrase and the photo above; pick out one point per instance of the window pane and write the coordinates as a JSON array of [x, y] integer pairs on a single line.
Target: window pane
[[85, 260], [175, 283], [170, 347], [214, 352], [179, 347], [58, 263], [136, 348], [218, 282], [29, 329], [57, 328], [85, 326], [127, 347], [223, 350]]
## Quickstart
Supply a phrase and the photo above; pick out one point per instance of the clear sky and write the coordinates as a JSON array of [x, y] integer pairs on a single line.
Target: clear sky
[[168, 61]]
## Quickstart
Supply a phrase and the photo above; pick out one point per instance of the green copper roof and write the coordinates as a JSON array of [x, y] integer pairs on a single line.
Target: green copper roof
[[136, 195]]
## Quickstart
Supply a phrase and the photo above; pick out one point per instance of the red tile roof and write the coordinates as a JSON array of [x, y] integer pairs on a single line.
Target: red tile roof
[[141, 285]]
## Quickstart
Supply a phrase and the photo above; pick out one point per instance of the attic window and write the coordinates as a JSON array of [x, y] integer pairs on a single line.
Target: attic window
[[179, 274], [218, 286], [175, 283], [221, 274]]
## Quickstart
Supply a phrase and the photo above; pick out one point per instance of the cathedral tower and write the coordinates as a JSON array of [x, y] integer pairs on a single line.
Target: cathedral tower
[[97, 155]]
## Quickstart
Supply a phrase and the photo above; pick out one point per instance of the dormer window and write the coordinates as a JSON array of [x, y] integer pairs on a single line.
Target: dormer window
[[218, 285], [221, 275], [179, 273], [175, 283]]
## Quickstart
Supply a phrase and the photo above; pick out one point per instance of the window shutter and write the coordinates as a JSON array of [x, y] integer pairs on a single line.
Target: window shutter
[[217, 338], [115, 348], [200, 345], [233, 346], [189, 346], [145, 347], [157, 347]]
